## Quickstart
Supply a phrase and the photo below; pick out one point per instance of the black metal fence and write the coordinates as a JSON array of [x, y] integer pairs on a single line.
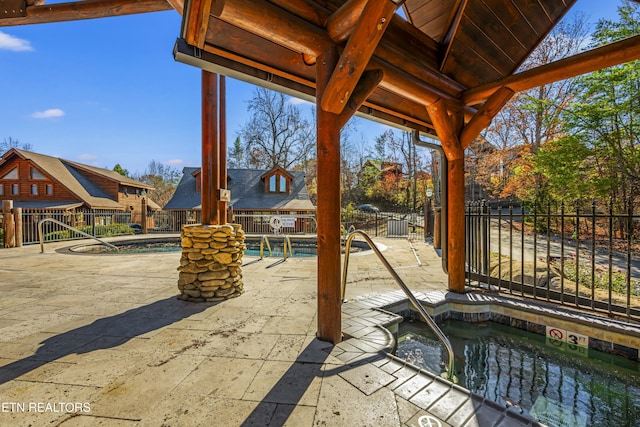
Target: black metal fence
[[97, 222], [583, 256], [399, 224]]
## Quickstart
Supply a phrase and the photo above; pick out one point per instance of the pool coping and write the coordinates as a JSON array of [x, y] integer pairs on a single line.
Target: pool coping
[[369, 323]]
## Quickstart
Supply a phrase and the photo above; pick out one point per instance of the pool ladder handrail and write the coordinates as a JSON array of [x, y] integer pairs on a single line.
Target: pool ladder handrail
[[55, 221], [434, 326], [287, 244], [264, 239]]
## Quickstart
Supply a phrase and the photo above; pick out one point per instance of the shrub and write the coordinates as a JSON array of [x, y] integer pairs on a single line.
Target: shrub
[[100, 231], [600, 276]]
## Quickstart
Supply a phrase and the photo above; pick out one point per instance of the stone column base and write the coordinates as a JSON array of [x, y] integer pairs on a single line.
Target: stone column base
[[210, 266]]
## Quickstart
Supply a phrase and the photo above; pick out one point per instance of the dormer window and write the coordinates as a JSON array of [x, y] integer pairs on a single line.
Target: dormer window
[[277, 181], [278, 184], [12, 174]]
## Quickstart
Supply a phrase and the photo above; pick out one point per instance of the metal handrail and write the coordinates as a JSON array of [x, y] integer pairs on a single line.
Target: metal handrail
[[284, 244], [434, 327], [55, 221], [264, 239]]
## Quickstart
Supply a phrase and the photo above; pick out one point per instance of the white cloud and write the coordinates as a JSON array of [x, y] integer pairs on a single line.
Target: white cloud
[[86, 157], [9, 42], [47, 114], [174, 162], [298, 101]]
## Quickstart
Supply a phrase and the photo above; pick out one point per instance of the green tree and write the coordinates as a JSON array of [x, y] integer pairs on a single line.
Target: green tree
[[606, 115], [122, 171], [236, 155], [505, 169], [164, 180]]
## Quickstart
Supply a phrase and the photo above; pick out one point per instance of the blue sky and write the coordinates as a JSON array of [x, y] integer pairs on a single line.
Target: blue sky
[[107, 91]]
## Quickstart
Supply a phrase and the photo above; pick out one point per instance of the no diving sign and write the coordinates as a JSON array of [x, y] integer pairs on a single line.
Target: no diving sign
[[567, 340]]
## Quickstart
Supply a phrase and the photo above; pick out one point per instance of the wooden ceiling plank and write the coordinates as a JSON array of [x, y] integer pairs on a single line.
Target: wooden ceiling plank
[[452, 28], [499, 36], [485, 114], [86, 9], [469, 66], [595, 59], [477, 40], [513, 22], [374, 20]]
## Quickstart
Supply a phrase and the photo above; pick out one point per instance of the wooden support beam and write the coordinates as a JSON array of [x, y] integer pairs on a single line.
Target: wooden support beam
[[86, 9], [277, 25], [447, 127], [17, 218], [210, 150], [198, 22], [328, 208], [595, 59], [178, 5], [368, 83], [485, 114], [341, 23], [357, 54]]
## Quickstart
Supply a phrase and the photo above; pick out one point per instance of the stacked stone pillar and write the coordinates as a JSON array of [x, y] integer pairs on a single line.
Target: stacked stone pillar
[[210, 266]]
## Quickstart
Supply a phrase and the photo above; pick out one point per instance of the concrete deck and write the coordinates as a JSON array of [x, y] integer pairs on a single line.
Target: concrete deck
[[101, 340]]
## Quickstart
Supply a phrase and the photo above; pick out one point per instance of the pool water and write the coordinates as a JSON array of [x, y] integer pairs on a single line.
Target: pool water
[[303, 247], [556, 384]]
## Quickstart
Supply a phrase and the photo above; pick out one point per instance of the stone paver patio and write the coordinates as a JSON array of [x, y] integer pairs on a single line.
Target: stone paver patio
[[101, 340]]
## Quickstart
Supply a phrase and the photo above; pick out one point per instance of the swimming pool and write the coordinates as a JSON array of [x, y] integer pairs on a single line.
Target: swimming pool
[[302, 246], [555, 382]]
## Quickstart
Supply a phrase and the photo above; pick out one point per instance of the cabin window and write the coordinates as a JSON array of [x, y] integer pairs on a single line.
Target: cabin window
[[277, 184], [1, 189], [35, 174], [34, 189], [12, 174], [15, 189], [283, 184], [49, 189]]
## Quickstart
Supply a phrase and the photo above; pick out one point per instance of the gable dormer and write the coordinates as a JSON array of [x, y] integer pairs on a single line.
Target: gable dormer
[[277, 181]]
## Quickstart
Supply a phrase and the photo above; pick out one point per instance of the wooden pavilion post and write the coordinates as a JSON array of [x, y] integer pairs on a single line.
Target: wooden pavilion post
[[328, 207], [222, 147], [210, 149], [448, 121]]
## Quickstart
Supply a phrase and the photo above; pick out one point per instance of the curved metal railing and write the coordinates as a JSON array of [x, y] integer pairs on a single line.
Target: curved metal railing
[[287, 240], [55, 221], [264, 240], [434, 326]]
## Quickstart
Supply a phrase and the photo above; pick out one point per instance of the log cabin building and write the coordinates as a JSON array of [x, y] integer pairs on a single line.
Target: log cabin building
[[37, 181], [256, 195]]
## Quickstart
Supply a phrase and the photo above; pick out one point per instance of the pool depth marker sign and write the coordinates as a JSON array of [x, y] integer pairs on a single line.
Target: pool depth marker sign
[[571, 341]]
